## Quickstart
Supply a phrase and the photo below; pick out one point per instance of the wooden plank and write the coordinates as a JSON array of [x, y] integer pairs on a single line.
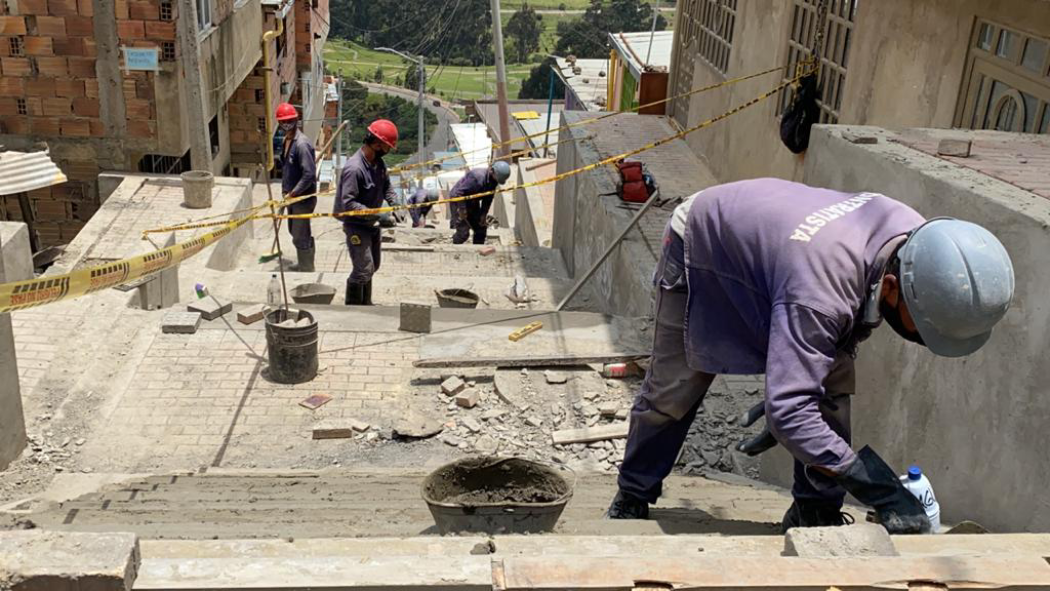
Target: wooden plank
[[590, 434], [724, 573], [527, 360], [394, 247]]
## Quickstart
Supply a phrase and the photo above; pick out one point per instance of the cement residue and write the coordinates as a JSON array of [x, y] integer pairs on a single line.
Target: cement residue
[[493, 481]]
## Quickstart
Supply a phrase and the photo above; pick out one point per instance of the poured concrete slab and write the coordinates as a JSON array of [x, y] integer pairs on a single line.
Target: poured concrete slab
[[45, 561]]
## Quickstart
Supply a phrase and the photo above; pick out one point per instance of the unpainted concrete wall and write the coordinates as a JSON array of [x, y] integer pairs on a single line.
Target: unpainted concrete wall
[[905, 69], [977, 425], [532, 223], [14, 247]]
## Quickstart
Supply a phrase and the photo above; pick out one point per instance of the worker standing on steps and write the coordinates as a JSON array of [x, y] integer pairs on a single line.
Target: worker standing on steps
[[472, 214], [769, 276], [418, 197], [298, 178], [364, 185]]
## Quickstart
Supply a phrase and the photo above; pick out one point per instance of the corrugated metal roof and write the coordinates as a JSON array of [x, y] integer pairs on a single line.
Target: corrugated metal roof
[[634, 47], [473, 142], [590, 84], [25, 171]]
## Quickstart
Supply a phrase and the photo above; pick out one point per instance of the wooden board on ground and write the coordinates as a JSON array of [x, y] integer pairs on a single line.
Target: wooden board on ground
[[527, 360], [591, 434]]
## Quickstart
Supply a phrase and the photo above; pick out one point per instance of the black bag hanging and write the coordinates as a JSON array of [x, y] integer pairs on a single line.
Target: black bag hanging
[[798, 118]]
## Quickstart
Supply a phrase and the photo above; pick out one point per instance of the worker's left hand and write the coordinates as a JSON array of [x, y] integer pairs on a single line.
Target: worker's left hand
[[761, 442]]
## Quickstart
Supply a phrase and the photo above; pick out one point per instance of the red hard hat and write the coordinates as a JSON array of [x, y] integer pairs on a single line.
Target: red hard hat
[[286, 112], [385, 131]]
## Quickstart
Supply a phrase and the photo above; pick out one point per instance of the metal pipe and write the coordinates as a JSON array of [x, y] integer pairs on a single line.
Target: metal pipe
[[266, 38], [550, 107]]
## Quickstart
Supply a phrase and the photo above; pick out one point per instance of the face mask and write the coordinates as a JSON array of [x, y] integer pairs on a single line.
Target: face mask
[[288, 126], [892, 315]]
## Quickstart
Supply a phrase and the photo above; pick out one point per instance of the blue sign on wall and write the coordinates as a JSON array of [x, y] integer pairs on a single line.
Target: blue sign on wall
[[138, 58]]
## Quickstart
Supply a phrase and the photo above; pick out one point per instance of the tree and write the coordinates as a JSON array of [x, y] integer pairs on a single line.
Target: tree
[[537, 85], [412, 76], [524, 29], [587, 37], [378, 76]]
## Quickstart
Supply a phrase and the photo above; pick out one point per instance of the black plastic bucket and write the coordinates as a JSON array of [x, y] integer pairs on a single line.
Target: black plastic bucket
[[292, 349], [496, 496]]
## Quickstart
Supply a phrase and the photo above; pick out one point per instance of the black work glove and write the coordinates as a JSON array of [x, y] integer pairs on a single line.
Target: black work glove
[[875, 484], [761, 442]]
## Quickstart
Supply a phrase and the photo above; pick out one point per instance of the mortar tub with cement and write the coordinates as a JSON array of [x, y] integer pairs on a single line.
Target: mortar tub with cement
[[291, 343], [496, 496], [312, 293], [457, 298], [196, 188]]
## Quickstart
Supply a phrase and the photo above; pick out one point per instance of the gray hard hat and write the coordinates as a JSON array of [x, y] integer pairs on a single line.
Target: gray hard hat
[[501, 171], [432, 194], [958, 281]]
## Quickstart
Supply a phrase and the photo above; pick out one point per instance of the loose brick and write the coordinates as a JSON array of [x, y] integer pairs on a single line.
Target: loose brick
[[85, 107], [15, 66], [40, 87], [44, 125], [82, 67], [69, 87], [52, 66], [11, 86], [143, 10], [58, 107], [86, 7], [62, 7], [452, 386], [12, 25], [467, 398], [252, 314], [32, 7], [50, 26], [80, 26], [129, 29], [68, 46], [163, 31], [38, 46]]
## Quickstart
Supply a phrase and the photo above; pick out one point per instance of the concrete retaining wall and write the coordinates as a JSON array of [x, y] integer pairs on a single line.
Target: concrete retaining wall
[[16, 264], [977, 426]]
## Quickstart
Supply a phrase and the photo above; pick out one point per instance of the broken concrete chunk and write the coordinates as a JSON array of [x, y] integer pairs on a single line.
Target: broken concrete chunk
[[452, 386], [486, 445], [416, 425], [589, 410], [955, 148], [493, 414], [854, 540], [467, 398], [608, 409], [471, 424], [534, 422], [209, 308], [555, 377], [452, 440], [622, 414], [519, 292], [252, 314], [181, 322], [359, 426]]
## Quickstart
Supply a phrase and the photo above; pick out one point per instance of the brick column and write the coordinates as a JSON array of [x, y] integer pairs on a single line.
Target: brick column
[[12, 421]]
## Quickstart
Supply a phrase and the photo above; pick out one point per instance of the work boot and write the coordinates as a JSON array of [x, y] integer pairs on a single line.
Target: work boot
[[624, 506], [306, 260], [368, 293], [814, 514], [355, 294]]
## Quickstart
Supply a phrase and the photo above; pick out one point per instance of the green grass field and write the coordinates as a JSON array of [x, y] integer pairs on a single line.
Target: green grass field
[[547, 4]]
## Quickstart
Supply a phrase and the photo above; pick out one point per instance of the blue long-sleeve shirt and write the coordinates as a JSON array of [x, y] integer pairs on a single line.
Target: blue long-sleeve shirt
[[363, 185], [778, 273], [299, 168]]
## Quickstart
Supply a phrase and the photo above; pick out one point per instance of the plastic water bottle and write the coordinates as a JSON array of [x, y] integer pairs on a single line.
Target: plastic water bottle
[[273, 292], [917, 484]]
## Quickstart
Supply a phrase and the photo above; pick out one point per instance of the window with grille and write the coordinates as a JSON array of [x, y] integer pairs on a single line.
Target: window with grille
[[1007, 85], [17, 46], [260, 95], [834, 50], [262, 124], [167, 51], [167, 11], [715, 23], [22, 110]]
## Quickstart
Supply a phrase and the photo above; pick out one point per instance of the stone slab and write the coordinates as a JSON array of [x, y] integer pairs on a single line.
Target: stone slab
[[210, 308], [252, 314], [862, 539], [39, 560], [415, 317], [955, 148], [181, 322]]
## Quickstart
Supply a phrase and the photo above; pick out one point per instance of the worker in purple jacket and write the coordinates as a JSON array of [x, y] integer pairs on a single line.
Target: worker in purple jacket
[[774, 277], [472, 214]]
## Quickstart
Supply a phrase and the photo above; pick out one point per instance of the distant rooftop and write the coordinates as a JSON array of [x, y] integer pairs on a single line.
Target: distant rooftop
[[587, 79], [524, 124], [473, 142], [634, 49]]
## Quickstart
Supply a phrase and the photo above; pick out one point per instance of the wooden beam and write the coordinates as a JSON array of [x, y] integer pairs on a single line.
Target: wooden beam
[[590, 434], [527, 361]]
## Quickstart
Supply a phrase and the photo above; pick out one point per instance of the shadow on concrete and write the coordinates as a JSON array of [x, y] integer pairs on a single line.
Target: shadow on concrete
[[698, 521]]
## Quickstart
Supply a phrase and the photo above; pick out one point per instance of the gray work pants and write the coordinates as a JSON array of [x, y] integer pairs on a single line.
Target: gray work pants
[[365, 251], [302, 237], [672, 393]]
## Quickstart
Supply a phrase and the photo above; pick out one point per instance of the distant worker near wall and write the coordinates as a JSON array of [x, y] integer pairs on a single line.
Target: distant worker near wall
[[472, 214], [298, 178], [421, 197], [775, 277], [365, 184]]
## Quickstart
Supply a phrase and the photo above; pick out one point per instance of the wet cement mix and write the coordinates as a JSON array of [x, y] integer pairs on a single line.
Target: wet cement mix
[[494, 481]]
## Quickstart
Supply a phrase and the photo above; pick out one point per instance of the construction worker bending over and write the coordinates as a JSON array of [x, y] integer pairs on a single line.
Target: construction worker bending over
[[769, 276], [421, 196], [365, 184], [472, 214], [298, 178]]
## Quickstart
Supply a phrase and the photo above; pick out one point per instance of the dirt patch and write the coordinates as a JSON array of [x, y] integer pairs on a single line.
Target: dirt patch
[[492, 481]]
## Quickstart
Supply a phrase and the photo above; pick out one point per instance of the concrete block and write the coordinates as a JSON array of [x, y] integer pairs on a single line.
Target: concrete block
[[956, 148], [467, 398], [17, 254], [555, 377], [181, 322], [160, 291], [453, 385], [38, 560], [340, 430], [12, 419], [852, 540], [210, 308], [608, 409], [252, 314], [415, 317]]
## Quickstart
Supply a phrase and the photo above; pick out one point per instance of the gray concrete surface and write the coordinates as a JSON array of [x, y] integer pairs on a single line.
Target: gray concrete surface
[[975, 425], [68, 561], [18, 257], [533, 216], [12, 419], [862, 539]]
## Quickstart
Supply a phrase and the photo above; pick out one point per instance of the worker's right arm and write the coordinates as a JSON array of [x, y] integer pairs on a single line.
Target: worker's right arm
[[801, 354]]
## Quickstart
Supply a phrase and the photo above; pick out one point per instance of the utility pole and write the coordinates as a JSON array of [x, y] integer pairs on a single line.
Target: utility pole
[[421, 74], [501, 80], [339, 138], [189, 49]]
